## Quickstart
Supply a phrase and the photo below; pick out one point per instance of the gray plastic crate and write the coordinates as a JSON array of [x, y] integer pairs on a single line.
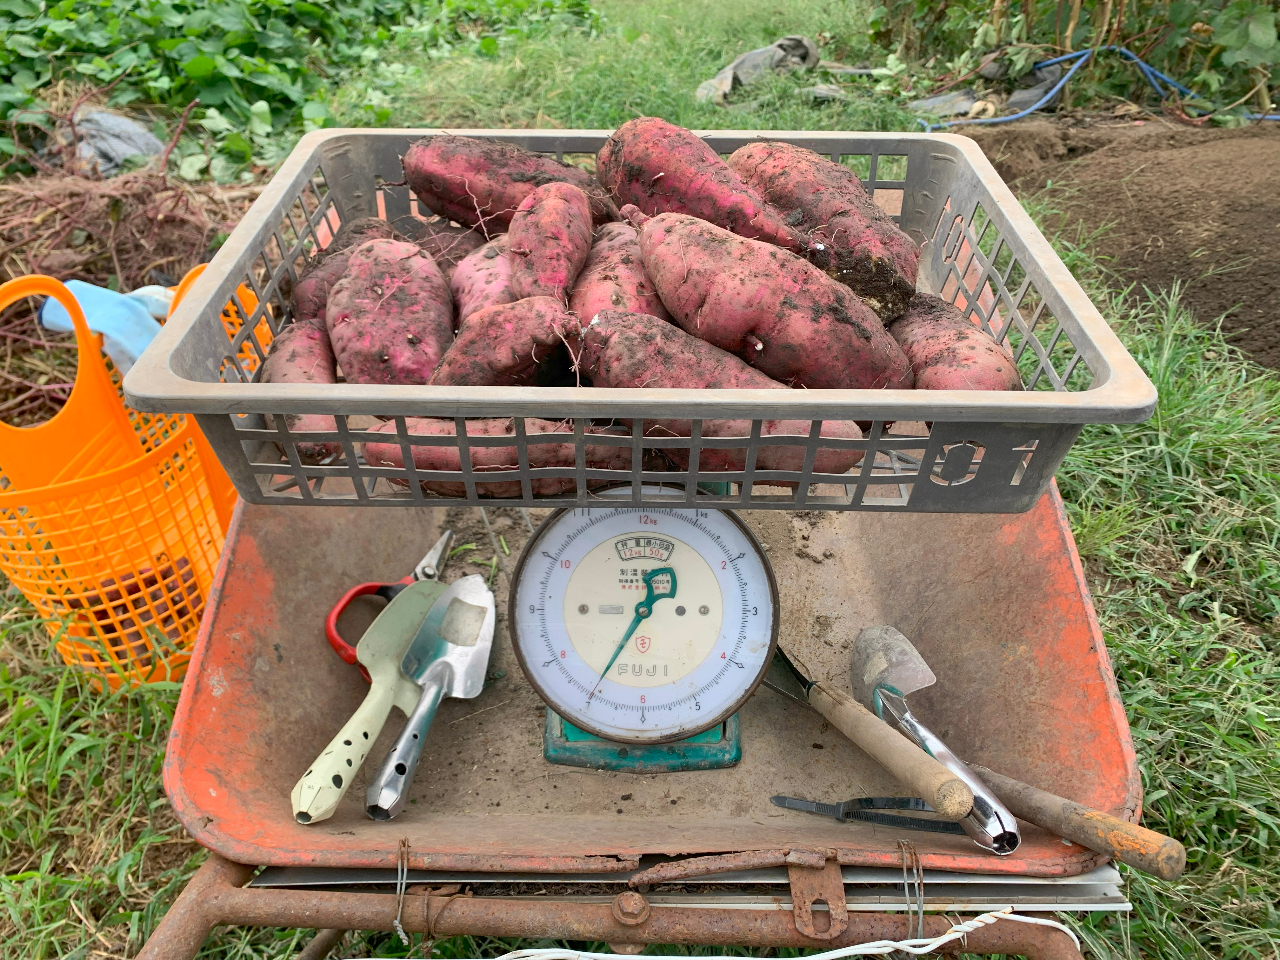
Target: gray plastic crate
[[940, 451]]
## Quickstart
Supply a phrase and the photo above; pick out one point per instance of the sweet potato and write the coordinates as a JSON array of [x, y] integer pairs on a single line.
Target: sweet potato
[[491, 461], [482, 279], [636, 350], [661, 168], [613, 277], [447, 243], [854, 240], [300, 353], [129, 612], [390, 318], [948, 352], [481, 183], [510, 344], [549, 240], [773, 309], [328, 265]]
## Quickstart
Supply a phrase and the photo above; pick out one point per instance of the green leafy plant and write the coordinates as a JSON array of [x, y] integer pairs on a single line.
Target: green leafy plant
[[250, 62], [1224, 49], [1246, 31]]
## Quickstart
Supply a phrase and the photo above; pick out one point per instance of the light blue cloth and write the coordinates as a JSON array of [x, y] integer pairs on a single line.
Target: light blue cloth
[[127, 322]]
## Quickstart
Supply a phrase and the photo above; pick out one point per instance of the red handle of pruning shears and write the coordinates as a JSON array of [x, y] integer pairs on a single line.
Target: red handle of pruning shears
[[385, 590], [428, 567]]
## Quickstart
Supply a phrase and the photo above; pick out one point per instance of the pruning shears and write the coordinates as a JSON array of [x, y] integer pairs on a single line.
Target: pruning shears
[[428, 568]]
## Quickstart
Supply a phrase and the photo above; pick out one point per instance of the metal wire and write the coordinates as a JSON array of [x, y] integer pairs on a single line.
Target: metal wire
[[911, 857]]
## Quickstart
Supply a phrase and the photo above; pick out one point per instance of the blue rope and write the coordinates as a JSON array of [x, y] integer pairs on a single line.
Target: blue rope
[[1081, 57]]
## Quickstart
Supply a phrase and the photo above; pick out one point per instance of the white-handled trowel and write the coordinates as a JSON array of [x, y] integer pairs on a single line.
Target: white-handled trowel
[[448, 658], [317, 794]]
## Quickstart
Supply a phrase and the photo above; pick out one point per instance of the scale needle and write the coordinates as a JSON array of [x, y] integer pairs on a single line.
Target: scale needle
[[644, 609]]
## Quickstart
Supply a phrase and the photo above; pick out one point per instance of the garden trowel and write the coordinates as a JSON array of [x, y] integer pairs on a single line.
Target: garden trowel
[[886, 668], [318, 793], [447, 658]]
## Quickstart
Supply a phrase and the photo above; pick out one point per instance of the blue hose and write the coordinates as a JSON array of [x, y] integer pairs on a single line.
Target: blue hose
[[1081, 57]]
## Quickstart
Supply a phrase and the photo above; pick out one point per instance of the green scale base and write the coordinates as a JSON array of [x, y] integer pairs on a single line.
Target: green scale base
[[713, 749]]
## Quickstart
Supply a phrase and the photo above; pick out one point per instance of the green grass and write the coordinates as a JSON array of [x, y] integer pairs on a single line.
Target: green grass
[[1176, 520], [647, 62]]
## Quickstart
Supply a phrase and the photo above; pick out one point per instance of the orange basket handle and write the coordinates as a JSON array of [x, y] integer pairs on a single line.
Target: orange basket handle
[[91, 371], [184, 285]]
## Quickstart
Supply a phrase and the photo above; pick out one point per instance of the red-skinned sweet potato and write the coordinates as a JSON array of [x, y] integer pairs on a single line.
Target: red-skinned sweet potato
[[492, 462], [948, 352], [613, 277], [326, 268], [447, 243], [773, 309], [300, 353], [508, 345], [549, 240], [854, 240], [636, 350], [661, 168], [482, 279], [390, 318], [481, 183]]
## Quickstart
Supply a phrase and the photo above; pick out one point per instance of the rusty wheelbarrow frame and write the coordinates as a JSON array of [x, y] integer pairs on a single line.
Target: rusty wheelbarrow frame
[[218, 895]]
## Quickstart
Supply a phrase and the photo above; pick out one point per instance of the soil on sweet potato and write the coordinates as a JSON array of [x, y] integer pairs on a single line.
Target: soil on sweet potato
[[1200, 206]]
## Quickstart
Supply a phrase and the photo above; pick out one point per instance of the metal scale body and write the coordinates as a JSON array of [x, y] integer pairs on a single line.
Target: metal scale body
[[644, 629]]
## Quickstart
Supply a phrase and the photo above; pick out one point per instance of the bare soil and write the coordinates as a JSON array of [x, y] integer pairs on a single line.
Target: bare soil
[[1181, 204]]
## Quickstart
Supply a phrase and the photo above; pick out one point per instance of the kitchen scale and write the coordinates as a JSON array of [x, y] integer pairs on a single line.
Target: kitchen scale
[[644, 628]]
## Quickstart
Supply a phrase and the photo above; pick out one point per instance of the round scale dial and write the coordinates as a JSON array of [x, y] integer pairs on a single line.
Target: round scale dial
[[644, 624]]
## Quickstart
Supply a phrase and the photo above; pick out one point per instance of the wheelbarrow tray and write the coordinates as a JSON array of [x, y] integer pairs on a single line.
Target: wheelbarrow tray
[[997, 604]]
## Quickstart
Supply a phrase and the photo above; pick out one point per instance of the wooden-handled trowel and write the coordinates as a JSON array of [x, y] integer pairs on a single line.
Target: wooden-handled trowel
[[886, 667], [947, 794]]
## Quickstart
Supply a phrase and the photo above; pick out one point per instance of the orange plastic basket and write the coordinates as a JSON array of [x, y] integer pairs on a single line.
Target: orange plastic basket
[[111, 521]]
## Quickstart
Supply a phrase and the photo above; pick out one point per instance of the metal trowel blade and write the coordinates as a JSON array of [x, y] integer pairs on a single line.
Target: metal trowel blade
[[883, 657], [458, 630]]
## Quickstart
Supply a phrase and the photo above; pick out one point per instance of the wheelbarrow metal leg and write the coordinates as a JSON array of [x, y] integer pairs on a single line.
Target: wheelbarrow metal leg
[[320, 945], [196, 912]]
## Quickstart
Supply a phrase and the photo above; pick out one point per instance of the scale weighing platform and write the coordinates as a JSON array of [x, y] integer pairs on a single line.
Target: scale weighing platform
[[563, 743]]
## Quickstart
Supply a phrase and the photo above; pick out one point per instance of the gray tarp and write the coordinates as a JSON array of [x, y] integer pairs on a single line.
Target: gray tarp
[[789, 53], [106, 140]]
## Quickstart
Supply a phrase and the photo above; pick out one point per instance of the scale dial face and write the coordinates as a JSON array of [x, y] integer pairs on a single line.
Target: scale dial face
[[644, 624]]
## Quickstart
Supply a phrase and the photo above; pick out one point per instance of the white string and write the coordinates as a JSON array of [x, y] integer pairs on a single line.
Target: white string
[[876, 948], [402, 878]]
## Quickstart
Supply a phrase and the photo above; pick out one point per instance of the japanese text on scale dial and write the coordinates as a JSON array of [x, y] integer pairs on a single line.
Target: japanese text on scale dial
[[643, 548], [633, 623]]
